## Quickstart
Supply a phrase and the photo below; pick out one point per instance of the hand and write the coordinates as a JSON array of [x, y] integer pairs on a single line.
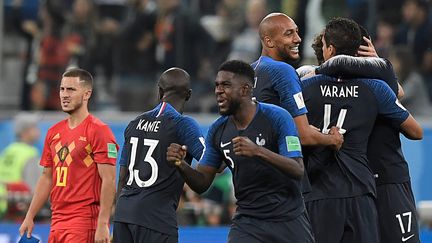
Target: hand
[[102, 234], [309, 74], [176, 154], [244, 146], [367, 51], [338, 138], [28, 226]]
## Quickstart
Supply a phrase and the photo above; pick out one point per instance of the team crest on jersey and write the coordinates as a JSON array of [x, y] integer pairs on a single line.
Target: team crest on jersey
[[260, 142], [63, 153]]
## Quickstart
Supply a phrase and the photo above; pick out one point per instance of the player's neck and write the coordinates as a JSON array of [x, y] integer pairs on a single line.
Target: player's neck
[[244, 115], [77, 117], [268, 53], [178, 106]]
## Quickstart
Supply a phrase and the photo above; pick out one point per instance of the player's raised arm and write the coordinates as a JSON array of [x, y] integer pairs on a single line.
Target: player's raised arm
[[199, 180]]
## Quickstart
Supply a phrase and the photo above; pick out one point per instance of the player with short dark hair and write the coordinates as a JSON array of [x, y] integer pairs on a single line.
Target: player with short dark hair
[[259, 144], [341, 204], [149, 188], [79, 159], [395, 201]]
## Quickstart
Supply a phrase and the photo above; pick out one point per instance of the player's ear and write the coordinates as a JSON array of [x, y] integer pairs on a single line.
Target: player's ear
[[268, 42], [332, 50], [87, 94], [246, 89], [188, 95]]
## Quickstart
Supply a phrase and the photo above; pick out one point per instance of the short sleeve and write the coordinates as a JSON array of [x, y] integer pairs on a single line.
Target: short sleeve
[[287, 83], [388, 104], [189, 133], [212, 157], [104, 146], [286, 133]]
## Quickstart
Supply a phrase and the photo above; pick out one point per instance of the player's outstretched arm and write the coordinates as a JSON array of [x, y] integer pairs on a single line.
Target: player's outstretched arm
[[292, 167], [107, 175], [41, 194], [310, 136], [199, 180], [412, 129]]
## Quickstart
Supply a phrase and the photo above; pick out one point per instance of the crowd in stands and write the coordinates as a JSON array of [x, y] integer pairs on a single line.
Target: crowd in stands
[[126, 44]]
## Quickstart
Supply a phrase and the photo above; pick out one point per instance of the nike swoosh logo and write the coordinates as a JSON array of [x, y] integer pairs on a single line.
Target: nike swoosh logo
[[224, 144], [409, 237]]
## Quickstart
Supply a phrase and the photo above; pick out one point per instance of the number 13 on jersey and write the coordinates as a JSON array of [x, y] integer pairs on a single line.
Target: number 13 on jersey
[[134, 173]]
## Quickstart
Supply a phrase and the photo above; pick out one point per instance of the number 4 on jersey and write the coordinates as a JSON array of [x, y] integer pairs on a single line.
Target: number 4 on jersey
[[134, 173], [340, 121]]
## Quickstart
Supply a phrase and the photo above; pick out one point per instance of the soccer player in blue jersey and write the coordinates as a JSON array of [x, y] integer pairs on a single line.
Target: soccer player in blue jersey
[[260, 145], [277, 82], [341, 204], [149, 188], [395, 201]]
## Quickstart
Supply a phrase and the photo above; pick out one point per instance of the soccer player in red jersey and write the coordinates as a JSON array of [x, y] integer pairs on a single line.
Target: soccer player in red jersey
[[79, 159]]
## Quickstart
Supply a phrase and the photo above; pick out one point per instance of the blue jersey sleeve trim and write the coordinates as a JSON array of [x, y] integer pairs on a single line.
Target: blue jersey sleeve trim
[[286, 82], [212, 156], [189, 133], [388, 104], [284, 130]]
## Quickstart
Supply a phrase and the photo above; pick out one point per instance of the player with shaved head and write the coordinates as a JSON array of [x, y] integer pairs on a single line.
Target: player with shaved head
[[149, 188], [276, 81]]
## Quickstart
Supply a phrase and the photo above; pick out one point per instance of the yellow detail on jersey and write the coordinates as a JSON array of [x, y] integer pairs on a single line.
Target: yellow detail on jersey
[[63, 153], [57, 136], [61, 176], [88, 159]]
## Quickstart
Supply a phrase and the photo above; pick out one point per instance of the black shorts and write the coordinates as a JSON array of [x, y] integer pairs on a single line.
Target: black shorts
[[344, 220], [124, 232], [252, 230], [397, 213]]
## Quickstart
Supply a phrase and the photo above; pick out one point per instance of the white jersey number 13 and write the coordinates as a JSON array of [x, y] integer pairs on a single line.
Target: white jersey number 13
[[134, 173]]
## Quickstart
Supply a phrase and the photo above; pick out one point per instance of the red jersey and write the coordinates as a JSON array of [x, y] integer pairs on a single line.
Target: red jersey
[[73, 155]]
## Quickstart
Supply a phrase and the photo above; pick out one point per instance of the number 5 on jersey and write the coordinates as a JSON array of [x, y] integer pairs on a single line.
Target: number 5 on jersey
[[134, 173]]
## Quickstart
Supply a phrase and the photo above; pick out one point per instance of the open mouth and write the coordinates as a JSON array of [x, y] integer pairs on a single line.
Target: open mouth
[[221, 102], [294, 49]]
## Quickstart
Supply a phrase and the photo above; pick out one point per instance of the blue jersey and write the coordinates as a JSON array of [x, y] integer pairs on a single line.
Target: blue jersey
[[278, 83], [262, 190], [384, 148], [153, 187], [352, 105]]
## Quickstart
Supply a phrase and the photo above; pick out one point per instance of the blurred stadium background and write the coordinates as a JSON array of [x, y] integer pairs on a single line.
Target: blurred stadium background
[[126, 44]]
